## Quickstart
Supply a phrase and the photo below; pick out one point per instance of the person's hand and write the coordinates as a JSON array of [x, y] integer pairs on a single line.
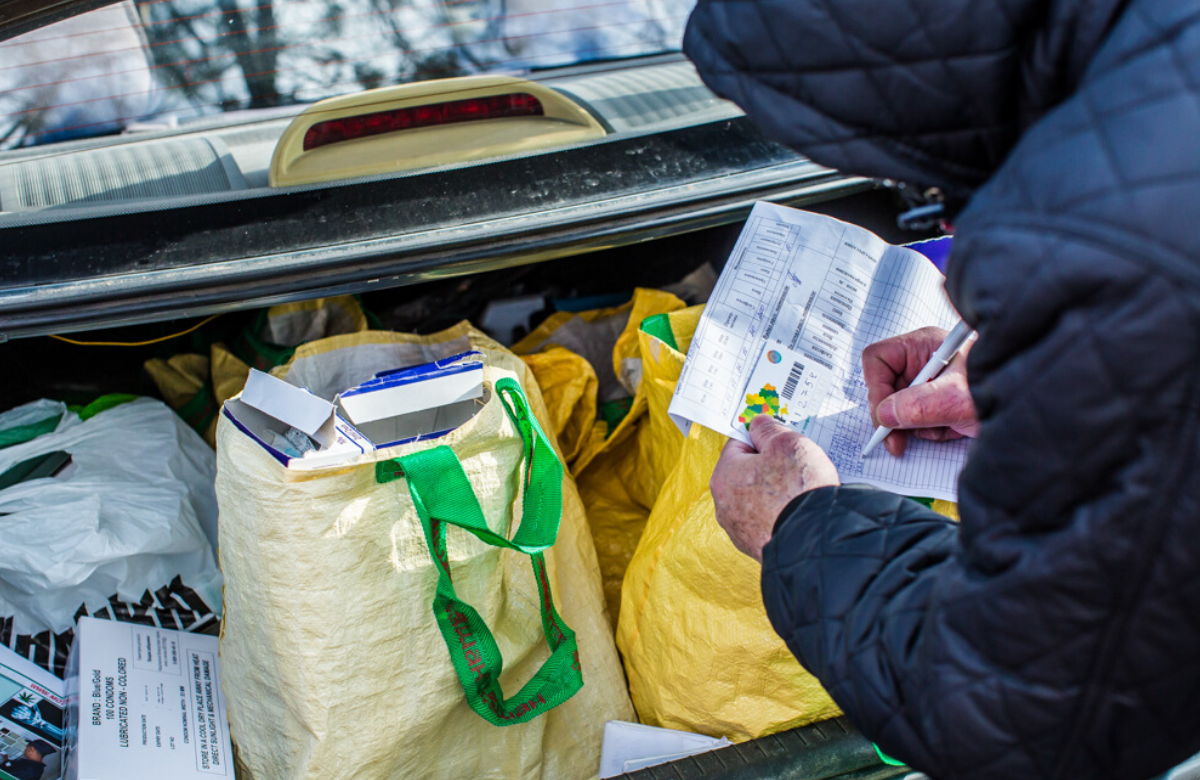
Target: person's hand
[[940, 410], [752, 485]]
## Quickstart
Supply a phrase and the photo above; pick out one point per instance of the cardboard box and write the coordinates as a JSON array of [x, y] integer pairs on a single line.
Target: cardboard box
[[304, 432], [630, 747], [274, 413], [32, 710], [424, 401], [144, 703]]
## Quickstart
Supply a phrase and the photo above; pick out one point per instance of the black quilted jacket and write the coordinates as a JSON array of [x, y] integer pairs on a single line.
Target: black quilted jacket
[[1056, 633]]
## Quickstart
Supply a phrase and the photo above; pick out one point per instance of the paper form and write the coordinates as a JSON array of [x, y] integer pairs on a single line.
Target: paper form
[[800, 298]]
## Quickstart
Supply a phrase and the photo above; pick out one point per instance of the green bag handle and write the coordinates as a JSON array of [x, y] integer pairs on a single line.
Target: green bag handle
[[443, 496]]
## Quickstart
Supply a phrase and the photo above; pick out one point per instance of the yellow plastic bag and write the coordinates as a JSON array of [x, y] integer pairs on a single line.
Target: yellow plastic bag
[[332, 660], [609, 457], [568, 384], [699, 650], [195, 386]]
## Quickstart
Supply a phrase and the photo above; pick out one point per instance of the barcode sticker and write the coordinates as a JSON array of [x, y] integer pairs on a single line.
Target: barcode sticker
[[789, 389]]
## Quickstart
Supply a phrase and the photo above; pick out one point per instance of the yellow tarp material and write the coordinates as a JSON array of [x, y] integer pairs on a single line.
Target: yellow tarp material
[[568, 385], [699, 650], [332, 661], [580, 361], [196, 386], [946, 508]]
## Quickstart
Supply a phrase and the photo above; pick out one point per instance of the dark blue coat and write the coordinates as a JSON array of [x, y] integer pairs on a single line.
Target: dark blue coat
[[1056, 634]]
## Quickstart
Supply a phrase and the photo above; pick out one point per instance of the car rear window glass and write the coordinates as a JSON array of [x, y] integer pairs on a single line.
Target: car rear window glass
[[154, 64]]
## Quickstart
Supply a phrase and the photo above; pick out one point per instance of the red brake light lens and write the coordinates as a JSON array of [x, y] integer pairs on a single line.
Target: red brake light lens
[[333, 131]]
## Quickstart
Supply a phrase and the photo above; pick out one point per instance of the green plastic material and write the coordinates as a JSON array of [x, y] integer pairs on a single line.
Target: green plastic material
[[103, 404], [442, 495], [885, 758], [659, 326], [10, 437], [613, 412]]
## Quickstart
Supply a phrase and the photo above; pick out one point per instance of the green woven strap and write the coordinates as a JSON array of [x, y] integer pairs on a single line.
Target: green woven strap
[[443, 496], [102, 404]]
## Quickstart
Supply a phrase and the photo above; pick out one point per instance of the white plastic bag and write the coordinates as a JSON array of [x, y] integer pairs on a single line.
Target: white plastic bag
[[128, 529]]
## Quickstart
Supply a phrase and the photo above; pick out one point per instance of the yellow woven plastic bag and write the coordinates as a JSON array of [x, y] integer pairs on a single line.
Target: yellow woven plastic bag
[[699, 650], [610, 456], [195, 386], [568, 384], [332, 660]]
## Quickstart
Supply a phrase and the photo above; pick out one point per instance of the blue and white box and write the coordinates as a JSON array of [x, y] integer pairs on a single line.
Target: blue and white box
[[303, 431], [406, 404]]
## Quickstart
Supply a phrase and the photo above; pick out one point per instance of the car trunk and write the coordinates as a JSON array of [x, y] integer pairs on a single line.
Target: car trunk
[[57, 369], [53, 368]]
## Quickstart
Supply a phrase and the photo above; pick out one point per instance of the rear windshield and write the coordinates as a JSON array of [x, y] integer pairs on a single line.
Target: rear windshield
[[154, 64]]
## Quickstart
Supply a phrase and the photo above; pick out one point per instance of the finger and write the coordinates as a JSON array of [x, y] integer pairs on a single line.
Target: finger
[[892, 364], [730, 454], [884, 363], [726, 464], [944, 402], [734, 450], [937, 434], [896, 442], [765, 430]]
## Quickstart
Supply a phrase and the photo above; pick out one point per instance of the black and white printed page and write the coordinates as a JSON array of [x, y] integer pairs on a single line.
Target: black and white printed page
[[783, 333]]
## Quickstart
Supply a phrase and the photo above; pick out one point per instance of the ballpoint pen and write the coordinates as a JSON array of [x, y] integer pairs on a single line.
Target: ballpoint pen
[[939, 360]]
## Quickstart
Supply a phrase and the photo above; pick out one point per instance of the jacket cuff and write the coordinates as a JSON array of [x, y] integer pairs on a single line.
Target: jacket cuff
[[793, 507], [797, 536]]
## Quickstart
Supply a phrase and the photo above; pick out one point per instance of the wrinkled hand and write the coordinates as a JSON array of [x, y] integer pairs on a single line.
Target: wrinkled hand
[[752, 485], [940, 410]]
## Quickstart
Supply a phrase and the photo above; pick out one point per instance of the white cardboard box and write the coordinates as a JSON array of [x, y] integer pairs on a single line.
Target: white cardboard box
[[269, 406], [417, 401], [629, 747], [145, 703]]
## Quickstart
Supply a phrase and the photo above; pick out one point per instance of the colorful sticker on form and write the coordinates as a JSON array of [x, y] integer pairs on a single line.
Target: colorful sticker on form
[[765, 401]]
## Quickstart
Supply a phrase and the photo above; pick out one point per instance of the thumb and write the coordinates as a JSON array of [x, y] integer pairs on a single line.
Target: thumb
[[940, 403], [765, 429]]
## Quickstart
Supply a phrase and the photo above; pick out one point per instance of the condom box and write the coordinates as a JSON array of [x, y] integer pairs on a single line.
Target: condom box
[[144, 703]]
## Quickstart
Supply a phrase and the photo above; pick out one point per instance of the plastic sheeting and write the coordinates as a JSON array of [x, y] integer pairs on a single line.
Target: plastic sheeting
[[135, 513]]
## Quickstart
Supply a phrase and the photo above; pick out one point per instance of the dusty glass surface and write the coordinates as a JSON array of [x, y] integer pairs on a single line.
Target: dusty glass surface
[[153, 64]]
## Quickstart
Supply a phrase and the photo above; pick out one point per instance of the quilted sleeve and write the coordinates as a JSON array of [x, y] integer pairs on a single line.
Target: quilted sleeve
[[1055, 634]]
